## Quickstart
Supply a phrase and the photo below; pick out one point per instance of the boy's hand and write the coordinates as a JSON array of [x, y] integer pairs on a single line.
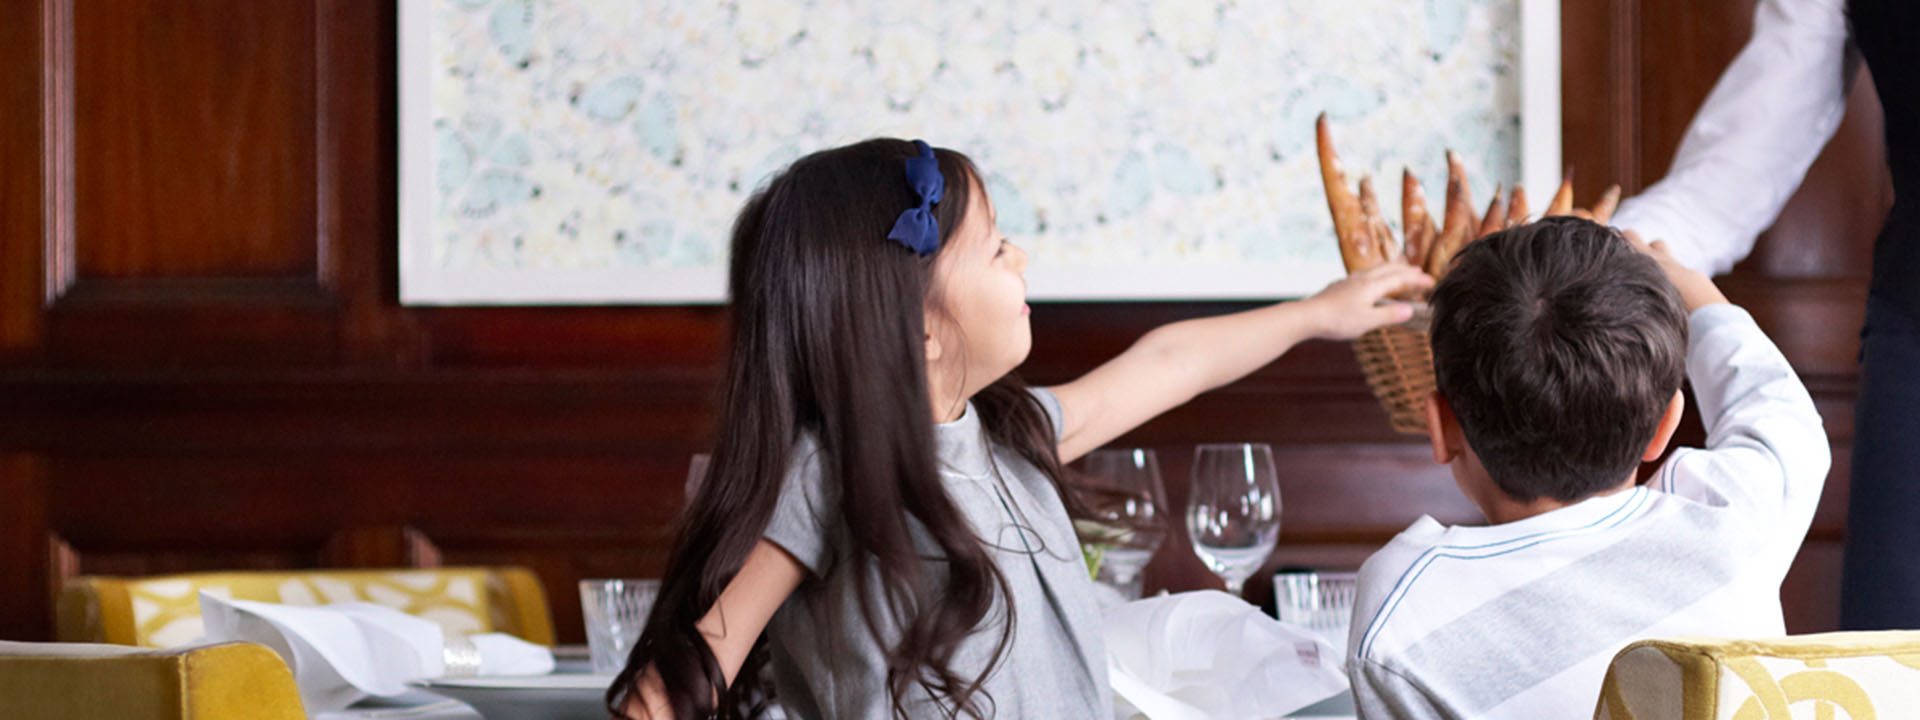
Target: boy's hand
[[1696, 289], [1352, 305]]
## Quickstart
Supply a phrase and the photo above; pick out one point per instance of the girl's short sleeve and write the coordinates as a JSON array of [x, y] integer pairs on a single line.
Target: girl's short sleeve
[[802, 516], [1051, 404]]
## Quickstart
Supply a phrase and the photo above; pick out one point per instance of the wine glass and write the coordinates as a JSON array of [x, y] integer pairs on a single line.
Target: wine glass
[[1233, 509], [697, 473], [1121, 489]]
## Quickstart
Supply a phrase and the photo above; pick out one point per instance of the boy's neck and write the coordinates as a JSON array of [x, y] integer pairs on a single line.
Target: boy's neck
[[1501, 508]]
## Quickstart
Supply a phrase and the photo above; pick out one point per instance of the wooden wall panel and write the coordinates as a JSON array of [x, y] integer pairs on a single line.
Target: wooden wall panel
[[194, 138], [23, 156], [663, 339], [183, 183], [25, 556], [222, 376], [1680, 47], [1828, 228], [233, 502], [1598, 95], [320, 414], [1815, 322]]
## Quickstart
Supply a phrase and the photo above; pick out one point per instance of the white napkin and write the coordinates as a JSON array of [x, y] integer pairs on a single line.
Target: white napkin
[[344, 652], [1207, 654]]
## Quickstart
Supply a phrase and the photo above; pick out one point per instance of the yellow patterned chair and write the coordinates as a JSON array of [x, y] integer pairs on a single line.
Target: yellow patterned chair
[[163, 611], [1853, 675], [73, 681]]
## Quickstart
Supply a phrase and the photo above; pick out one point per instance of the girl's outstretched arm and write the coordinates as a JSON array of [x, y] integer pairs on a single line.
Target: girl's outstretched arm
[[1172, 363], [765, 580]]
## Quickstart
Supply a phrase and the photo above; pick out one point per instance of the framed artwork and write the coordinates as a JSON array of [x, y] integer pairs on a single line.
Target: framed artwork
[[595, 151]]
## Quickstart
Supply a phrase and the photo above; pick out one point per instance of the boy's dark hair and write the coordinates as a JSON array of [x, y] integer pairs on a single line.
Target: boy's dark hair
[[1558, 347]]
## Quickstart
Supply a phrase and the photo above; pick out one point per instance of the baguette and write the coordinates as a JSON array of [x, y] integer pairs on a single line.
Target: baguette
[[1414, 220], [1349, 224], [1563, 199], [1609, 201], [1379, 237], [1458, 225], [1430, 242], [1496, 218], [1517, 207]]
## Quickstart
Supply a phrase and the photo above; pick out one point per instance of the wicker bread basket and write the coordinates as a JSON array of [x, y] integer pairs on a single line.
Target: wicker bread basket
[[1399, 367], [1396, 359]]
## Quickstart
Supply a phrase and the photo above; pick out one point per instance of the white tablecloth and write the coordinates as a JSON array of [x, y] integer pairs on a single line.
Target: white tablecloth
[[424, 705], [427, 706]]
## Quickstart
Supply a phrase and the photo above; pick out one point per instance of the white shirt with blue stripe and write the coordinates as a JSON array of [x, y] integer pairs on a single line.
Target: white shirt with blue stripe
[[1520, 620]]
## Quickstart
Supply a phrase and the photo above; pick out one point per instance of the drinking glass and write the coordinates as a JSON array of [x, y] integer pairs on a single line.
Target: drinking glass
[[1319, 600], [1121, 488], [614, 610], [1233, 509]]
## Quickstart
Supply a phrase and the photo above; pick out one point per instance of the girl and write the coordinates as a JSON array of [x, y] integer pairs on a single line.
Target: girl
[[884, 498]]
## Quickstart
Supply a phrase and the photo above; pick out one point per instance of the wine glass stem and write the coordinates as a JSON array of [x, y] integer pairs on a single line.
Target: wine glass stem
[[1235, 585]]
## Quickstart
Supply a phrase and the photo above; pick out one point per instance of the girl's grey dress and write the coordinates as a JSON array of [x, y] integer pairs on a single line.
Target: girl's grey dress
[[1054, 665]]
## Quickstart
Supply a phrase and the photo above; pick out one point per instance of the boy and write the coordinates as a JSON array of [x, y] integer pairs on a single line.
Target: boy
[[1558, 349]]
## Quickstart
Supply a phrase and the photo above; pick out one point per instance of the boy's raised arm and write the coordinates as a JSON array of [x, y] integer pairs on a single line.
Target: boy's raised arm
[[1766, 444]]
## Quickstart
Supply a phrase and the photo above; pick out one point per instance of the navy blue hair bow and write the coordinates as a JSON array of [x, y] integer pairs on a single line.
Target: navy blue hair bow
[[917, 229]]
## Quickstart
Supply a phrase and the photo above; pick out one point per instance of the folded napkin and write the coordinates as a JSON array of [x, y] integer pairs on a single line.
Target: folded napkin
[[1207, 654], [344, 652]]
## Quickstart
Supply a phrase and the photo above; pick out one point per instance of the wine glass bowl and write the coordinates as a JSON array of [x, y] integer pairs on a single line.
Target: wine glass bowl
[[1126, 503], [1233, 509]]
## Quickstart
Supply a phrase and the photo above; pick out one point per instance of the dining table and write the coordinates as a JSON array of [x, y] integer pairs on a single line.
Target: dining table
[[425, 704]]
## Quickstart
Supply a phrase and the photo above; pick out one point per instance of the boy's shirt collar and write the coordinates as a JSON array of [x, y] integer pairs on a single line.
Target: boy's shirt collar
[[1595, 512]]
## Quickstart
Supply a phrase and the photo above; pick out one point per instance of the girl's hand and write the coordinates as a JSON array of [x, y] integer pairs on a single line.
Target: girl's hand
[[647, 700], [1353, 305]]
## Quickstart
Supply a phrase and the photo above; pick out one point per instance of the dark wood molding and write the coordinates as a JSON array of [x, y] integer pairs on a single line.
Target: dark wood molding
[[58, 157], [1623, 65], [107, 294], [1599, 57], [327, 413], [26, 555], [383, 546], [357, 182]]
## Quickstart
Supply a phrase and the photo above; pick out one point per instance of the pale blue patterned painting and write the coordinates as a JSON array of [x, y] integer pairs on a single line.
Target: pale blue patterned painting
[[595, 151]]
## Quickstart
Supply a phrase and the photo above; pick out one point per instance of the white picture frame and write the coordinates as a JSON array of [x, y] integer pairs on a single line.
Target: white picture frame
[[1083, 271]]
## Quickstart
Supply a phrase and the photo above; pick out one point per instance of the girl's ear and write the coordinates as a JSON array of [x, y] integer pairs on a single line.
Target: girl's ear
[[931, 322]]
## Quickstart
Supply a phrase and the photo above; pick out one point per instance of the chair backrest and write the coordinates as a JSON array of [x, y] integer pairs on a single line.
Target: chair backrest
[[72, 681], [1859, 674], [164, 610]]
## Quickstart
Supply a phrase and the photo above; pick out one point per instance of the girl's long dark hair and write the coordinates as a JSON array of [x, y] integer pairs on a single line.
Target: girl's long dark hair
[[828, 342]]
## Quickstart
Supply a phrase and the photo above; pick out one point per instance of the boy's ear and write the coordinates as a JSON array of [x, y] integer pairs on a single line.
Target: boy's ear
[[1676, 408], [1443, 429]]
